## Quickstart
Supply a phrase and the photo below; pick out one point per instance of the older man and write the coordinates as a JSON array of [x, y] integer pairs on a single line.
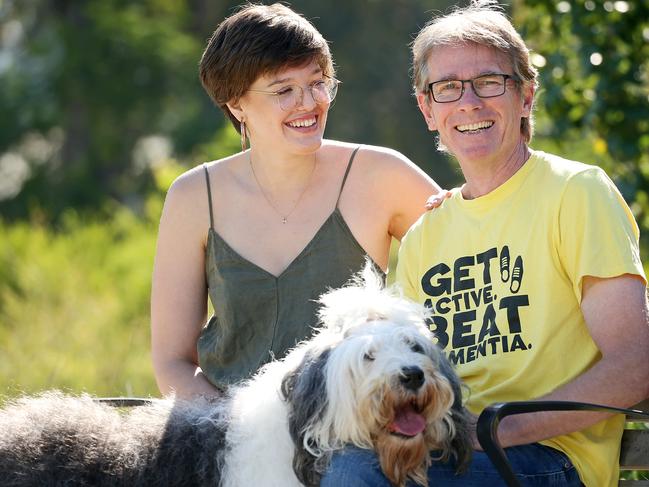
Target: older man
[[531, 269]]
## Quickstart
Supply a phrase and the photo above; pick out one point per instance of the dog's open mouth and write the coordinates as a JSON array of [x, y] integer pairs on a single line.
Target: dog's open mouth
[[407, 422]]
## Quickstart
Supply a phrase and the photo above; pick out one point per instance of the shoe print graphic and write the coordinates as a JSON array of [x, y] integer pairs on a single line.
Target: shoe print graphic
[[504, 264], [508, 273], [517, 275]]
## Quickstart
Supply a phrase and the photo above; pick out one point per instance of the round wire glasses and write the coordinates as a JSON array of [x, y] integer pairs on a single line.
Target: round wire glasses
[[291, 96]]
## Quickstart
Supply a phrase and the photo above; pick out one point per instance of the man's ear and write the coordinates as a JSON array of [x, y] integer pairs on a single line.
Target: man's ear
[[425, 107], [528, 100]]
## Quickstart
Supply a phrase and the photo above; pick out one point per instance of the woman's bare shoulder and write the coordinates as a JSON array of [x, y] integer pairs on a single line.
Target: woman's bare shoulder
[[366, 152], [386, 157], [194, 181], [386, 164], [375, 154]]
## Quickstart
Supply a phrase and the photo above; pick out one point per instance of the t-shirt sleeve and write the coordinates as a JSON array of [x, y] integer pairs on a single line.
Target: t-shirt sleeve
[[407, 263], [598, 235]]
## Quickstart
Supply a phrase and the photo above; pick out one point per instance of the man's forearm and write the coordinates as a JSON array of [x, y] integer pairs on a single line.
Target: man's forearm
[[616, 381]]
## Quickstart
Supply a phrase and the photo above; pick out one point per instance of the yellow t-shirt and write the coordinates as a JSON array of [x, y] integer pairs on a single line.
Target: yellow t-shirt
[[502, 275]]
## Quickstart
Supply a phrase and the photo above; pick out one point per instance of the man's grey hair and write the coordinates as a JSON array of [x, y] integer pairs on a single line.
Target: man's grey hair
[[484, 23]]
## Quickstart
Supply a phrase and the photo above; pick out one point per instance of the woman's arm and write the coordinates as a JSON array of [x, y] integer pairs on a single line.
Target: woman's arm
[[386, 193], [179, 290], [409, 189]]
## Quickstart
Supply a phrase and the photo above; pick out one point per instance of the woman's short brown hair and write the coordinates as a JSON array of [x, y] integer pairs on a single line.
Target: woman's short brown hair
[[258, 40]]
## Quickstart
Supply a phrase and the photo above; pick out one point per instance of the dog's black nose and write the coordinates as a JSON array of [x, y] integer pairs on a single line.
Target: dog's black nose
[[412, 377]]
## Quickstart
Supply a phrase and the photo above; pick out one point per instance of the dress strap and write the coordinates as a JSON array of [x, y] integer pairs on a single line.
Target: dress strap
[[349, 166], [209, 195]]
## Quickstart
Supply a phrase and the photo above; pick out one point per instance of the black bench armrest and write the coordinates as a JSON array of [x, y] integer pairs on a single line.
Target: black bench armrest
[[487, 427]]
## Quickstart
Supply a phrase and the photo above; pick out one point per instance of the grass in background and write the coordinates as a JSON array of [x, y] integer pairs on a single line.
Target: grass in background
[[74, 306], [74, 301]]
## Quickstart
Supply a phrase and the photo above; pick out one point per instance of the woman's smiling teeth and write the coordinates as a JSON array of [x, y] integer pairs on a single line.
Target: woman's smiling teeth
[[303, 122], [474, 127]]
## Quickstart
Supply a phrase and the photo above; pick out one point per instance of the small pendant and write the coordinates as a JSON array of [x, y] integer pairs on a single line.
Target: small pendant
[[284, 220]]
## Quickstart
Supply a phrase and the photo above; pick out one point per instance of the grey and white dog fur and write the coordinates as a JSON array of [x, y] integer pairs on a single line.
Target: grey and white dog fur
[[370, 376]]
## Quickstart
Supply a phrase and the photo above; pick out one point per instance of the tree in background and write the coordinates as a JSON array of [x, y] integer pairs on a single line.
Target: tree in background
[[594, 60], [370, 41], [100, 103], [83, 82], [90, 88], [95, 92]]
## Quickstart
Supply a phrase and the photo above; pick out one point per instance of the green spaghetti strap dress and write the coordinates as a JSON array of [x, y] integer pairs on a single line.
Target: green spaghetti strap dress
[[259, 316]]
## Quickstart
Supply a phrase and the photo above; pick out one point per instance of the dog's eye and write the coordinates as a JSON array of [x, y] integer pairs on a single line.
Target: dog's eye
[[416, 347], [369, 356]]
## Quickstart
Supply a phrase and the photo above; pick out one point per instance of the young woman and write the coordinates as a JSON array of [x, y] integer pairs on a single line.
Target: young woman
[[266, 231]]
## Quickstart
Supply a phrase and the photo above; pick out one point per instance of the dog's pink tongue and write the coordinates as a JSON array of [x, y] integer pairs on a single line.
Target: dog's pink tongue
[[408, 422]]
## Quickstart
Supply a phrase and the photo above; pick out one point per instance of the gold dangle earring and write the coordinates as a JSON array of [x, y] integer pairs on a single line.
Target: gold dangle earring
[[244, 137]]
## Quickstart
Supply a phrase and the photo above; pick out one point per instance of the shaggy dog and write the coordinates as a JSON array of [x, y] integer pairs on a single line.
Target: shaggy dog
[[371, 377]]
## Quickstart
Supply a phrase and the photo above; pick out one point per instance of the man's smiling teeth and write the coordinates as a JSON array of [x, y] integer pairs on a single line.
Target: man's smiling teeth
[[307, 122], [474, 126]]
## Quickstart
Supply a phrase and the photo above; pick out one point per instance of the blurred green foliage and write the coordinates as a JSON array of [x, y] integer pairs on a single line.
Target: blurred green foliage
[[89, 87], [594, 65], [101, 108], [91, 79], [74, 305], [94, 93]]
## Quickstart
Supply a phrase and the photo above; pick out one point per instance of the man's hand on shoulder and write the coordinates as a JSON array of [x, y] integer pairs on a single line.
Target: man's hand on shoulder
[[436, 200]]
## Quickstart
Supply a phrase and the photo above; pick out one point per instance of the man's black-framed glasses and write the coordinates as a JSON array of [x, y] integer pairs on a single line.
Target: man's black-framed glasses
[[485, 86], [291, 96]]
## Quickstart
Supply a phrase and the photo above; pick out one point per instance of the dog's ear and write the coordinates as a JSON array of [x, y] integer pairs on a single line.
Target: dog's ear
[[304, 390], [460, 446]]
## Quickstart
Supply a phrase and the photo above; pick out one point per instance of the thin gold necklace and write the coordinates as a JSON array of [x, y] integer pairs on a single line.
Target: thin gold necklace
[[270, 202]]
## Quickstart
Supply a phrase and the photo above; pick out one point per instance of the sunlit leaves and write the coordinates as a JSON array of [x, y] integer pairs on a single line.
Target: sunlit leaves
[[596, 80]]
